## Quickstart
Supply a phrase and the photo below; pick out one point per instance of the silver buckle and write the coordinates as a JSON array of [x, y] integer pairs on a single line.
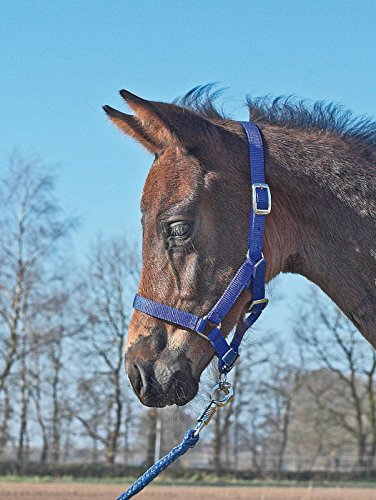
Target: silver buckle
[[203, 335], [261, 211], [255, 302]]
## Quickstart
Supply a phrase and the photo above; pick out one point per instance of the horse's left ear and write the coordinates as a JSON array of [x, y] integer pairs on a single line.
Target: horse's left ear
[[132, 127], [170, 123]]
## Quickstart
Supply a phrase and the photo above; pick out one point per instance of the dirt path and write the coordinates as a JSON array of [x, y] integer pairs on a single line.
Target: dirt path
[[75, 491]]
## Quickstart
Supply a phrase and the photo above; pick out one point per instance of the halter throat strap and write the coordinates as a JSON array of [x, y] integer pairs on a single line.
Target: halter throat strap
[[250, 275]]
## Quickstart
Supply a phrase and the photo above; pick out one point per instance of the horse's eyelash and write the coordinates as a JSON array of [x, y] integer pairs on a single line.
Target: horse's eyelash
[[179, 228]]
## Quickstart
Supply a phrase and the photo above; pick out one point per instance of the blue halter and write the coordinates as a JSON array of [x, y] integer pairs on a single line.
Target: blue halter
[[250, 275]]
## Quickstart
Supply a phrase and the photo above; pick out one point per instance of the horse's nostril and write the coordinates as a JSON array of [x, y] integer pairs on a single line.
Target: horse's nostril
[[136, 379]]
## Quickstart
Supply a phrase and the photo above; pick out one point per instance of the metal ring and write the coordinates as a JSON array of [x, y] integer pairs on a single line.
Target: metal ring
[[224, 387]]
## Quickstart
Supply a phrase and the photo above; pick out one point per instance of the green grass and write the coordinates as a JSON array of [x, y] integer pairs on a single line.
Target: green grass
[[201, 481]]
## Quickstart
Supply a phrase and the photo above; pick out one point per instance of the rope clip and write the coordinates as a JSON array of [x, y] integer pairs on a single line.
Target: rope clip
[[216, 402]]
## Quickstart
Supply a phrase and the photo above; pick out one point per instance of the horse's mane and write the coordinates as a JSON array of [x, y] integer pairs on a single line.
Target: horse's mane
[[289, 112]]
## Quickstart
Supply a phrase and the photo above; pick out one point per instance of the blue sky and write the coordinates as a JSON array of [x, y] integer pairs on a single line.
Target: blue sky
[[61, 61]]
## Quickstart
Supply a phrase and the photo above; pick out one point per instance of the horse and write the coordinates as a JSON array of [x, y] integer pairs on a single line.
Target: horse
[[320, 166]]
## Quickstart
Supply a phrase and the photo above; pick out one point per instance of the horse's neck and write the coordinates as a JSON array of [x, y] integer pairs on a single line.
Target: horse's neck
[[323, 223]]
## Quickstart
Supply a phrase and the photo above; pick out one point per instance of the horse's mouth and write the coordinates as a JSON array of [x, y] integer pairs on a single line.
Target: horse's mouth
[[169, 399], [177, 392]]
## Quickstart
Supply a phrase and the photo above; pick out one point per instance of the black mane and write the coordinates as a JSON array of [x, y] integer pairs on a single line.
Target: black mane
[[287, 111]]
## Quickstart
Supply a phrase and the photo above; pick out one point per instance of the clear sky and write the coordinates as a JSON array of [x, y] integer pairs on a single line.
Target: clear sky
[[62, 60]]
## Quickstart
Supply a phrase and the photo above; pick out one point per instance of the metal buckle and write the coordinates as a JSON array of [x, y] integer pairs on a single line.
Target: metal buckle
[[256, 302], [256, 209], [205, 322], [229, 358]]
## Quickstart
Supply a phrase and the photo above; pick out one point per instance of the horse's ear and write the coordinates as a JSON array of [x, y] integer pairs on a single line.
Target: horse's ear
[[170, 123], [133, 127]]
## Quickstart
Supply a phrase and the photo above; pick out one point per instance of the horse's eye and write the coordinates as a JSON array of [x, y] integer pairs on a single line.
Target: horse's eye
[[179, 229]]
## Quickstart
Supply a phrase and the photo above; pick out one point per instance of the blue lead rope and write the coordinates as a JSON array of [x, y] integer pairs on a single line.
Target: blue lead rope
[[189, 441]]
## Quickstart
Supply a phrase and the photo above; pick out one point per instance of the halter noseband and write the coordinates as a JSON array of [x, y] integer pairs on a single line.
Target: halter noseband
[[250, 275]]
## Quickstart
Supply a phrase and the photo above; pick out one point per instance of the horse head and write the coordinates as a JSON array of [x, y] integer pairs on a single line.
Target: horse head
[[195, 210]]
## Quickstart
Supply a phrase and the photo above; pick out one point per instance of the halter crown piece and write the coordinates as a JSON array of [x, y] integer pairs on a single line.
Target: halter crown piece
[[250, 275]]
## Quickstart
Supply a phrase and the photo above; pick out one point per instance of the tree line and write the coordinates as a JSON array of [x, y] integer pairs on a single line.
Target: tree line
[[305, 401]]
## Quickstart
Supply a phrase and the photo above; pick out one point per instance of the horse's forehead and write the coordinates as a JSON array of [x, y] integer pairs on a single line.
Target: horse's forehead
[[172, 179]]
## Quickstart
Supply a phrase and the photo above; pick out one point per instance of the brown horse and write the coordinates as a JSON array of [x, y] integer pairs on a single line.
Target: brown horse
[[320, 166]]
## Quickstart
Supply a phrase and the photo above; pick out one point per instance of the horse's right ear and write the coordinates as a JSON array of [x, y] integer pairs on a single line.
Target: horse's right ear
[[151, 116], [133, 127]]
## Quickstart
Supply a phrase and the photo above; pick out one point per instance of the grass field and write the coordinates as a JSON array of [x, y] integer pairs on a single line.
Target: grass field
[[34, 490]]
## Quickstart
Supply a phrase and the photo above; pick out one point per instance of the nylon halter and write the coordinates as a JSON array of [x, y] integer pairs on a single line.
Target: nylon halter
[[250, 275]]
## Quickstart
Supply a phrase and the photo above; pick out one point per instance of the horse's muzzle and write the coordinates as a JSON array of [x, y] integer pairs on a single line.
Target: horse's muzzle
[[159, 384]]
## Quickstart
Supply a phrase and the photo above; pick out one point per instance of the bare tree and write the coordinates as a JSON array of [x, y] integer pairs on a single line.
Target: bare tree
[[106, 288], [267, 381], [24, 409], [278, 393], [6, 415], [152, 420], [332, 342], [37, 396], [32, 230]]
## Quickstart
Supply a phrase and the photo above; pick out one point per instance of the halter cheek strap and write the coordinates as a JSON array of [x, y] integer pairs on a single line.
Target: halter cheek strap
[[250, 275]]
